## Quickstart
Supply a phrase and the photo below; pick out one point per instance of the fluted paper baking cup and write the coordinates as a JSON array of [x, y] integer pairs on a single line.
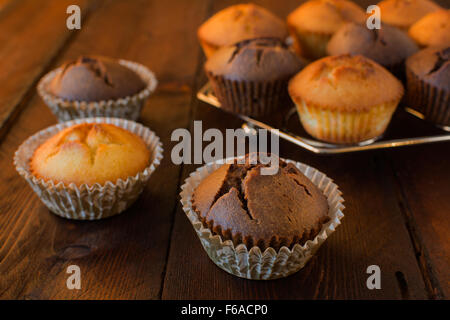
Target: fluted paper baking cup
[[251, 263], [251, 98], [127, 107], [431, 102], [345, 127], [88, 202]]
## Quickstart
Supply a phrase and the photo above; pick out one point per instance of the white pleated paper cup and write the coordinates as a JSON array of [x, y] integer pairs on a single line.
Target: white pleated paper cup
[[251, 263], [127, 108], [88, 202]]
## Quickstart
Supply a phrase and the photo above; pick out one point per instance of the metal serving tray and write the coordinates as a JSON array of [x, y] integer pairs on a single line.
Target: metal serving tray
[[428, 133]]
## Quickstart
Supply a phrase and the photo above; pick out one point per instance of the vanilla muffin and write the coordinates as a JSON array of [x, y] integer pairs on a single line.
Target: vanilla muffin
[[432, 30], [237, 23], [240, 204], [403, 13], [90, 153], [314, 22], [345, 99]]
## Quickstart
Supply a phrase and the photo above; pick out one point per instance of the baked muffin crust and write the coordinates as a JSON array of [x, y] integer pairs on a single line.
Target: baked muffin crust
[[241, 205], [432, 65], [95, 79], [345, 83], [90, 153], [261, 59], [387, 46], [241, 22]]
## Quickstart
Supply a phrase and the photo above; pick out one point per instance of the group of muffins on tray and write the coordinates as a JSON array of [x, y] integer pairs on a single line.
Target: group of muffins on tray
[[353, 83], [96, 162]]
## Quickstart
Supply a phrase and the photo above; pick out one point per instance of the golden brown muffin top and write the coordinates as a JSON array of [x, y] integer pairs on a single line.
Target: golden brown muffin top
[[239, 203], [95, 79], [90, 153], [325, 16], [403, 13], [345, 83], [241, 22], [432, 30]]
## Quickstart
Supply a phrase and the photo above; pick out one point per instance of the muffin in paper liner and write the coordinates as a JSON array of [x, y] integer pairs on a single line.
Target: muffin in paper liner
[[127, 107], [252, 263], [88, 202], [251, 98], [432, 103], [345, 127], [312, 45]]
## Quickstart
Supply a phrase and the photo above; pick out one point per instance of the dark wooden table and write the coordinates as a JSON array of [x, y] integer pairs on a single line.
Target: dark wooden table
[[397, 201]]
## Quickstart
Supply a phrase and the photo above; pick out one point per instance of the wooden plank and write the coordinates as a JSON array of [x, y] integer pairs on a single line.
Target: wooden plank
[[121, 257], [373, 232], [36, 25], [423, 175]]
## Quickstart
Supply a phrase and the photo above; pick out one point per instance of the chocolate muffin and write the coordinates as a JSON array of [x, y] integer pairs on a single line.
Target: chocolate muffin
[[251, 77], [94, 79], [97, 87], [389, 46], [237, 23], [428, 84], [90, 153], [240, 204]]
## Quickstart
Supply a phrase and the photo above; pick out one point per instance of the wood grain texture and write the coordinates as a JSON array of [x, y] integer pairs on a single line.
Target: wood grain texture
[[121, 257], [423, 177], [40, 25]]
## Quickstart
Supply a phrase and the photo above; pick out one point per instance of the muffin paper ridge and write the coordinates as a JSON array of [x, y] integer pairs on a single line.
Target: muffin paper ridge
[[430, 101], [253, 263], [239, 95], [88, 202], [128, 107]]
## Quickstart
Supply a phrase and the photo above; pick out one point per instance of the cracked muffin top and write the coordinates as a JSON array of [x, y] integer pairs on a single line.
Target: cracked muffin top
[[90, 153], [261, 59], [241, 22], [403, 13], [239, 203], [95, 79], [432, 65], [346, 83]]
